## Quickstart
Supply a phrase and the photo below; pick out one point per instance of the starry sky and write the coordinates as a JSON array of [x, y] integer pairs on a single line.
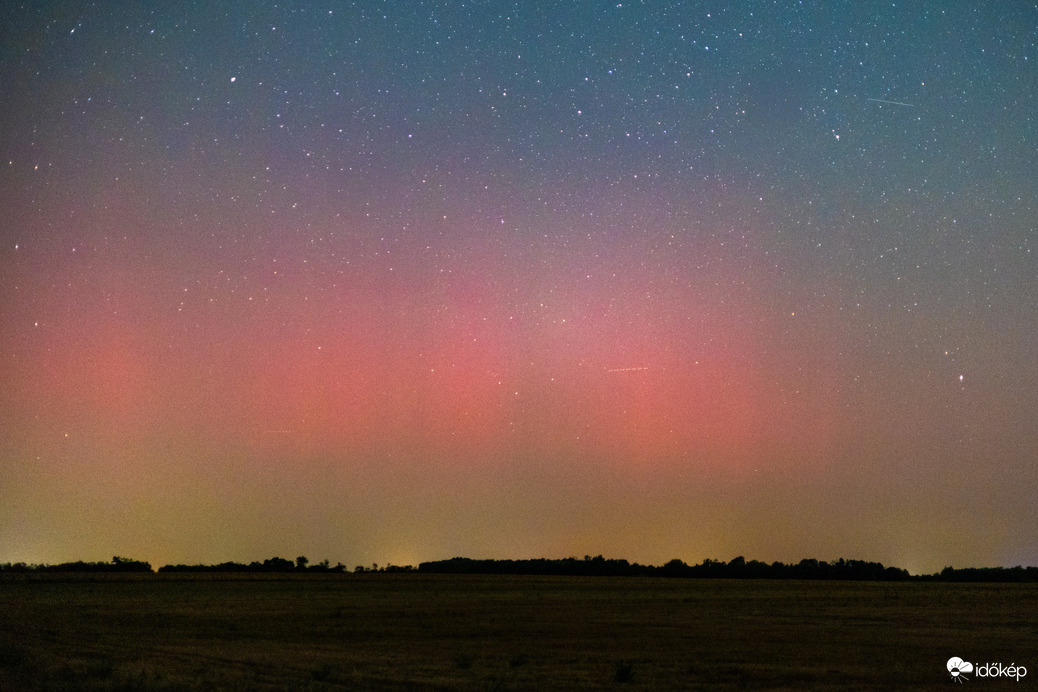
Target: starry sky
[[384, 282]]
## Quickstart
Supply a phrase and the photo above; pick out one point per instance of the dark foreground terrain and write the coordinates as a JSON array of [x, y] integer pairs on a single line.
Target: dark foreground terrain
[[413, 631]]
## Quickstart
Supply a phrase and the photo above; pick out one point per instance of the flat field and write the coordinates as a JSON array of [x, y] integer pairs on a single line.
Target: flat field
[[412, 631]]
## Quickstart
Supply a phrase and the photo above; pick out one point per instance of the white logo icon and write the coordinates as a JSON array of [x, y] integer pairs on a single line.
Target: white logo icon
[[957, 667]]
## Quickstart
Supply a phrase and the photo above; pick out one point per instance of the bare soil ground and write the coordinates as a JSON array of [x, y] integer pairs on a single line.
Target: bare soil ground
[[425, 632]]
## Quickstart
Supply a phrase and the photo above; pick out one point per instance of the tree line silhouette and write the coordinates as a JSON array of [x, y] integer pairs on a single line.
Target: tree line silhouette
[[118, 564], [274, 564], [738, 568]]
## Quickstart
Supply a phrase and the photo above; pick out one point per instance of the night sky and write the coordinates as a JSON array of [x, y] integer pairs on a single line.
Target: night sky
[[384, 282]]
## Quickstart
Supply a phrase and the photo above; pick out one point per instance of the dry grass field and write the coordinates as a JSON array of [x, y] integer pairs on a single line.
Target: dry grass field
[[423, 632]]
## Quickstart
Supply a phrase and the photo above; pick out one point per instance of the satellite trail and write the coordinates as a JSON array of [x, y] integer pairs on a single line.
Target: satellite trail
[[625, 369], [893, 103]]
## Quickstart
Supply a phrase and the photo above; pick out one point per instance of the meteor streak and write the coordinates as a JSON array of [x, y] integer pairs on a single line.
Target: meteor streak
[[893, 103]]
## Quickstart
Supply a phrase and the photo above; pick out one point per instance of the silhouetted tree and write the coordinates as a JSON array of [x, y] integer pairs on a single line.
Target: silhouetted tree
[[123, 564], [277, 564], [676, 568]]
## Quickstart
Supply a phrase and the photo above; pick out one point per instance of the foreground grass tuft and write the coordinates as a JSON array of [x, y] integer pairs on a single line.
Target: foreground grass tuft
[[623, 672]]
